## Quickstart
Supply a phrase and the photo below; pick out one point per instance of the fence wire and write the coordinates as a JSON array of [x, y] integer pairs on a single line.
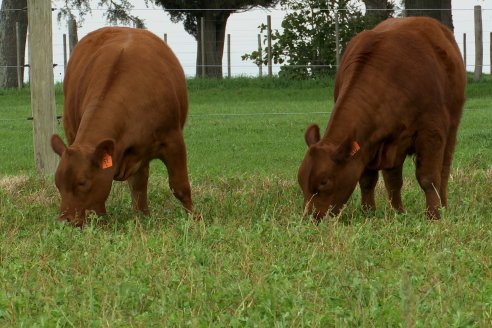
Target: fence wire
[[236, 115], [396, 8], [244, 32]]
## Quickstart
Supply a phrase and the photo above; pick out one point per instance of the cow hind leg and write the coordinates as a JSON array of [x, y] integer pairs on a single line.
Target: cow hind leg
[[429, 160], [446, 165], [393, 181], [173, 154], [138, 187], [367, 183]]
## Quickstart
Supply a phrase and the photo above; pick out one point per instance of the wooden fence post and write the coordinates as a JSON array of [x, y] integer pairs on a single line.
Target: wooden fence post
[[269, 31], [73, 37], [42, 84], [165, 37], [228, 55], [64, 52], [464, 49], [490, 53], [260, 55], [19, 54], [478, 43], [202, 38], [337, 39]]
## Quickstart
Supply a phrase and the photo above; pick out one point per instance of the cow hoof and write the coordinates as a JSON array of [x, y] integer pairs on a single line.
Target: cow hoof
[[197, 216]]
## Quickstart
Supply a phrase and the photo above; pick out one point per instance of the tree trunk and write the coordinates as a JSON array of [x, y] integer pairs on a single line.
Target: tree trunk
[[377, 10], [214, 35], [12, 11], [418, 8]]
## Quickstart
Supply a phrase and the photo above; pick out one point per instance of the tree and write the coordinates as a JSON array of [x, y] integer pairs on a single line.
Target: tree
[[215, 14], [378, 10], [308, 41], [438, 9], [12, 11], [117, 11]]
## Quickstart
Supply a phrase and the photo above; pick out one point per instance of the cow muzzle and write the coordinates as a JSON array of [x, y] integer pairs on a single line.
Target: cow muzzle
[[78, 218]]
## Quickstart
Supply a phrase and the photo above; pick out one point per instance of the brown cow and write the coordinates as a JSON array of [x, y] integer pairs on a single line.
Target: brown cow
[[399, 91], [125, 104]]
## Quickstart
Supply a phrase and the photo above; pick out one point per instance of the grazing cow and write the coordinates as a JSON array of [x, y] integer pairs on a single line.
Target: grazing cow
[[125, 104], [399, 90]]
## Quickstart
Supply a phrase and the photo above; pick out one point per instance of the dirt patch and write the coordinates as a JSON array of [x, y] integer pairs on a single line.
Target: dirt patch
[[24, 190]]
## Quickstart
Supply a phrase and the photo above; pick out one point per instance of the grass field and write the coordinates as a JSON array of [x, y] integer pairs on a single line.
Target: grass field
[[253, 260]]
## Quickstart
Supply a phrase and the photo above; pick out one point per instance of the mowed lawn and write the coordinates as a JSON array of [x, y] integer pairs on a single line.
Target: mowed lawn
[[254, 260]]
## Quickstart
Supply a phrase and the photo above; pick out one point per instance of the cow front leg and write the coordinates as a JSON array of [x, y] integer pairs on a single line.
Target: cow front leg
[[393, 181], [367, 183], [173, 154], [138, 187]]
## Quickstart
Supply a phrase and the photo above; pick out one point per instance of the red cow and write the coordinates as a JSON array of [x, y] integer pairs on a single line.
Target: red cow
[[125, 104], [399, 90]]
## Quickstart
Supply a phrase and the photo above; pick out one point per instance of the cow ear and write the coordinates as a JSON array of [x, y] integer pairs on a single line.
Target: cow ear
[[312, 134], [57, 144], [103, 155], [346, 150]]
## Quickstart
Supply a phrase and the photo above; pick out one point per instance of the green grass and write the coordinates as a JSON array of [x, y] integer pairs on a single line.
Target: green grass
[[253, 260]]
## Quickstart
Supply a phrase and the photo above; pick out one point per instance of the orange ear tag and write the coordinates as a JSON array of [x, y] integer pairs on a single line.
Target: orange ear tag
[[107, 161], [355, 148]]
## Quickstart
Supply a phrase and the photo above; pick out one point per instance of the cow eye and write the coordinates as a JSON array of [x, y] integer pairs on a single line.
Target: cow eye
[[83, 185], [325, 185]]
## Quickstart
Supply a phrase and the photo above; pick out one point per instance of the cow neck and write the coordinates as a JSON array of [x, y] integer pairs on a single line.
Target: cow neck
[[353, 121], [347, 121], [95, 127]]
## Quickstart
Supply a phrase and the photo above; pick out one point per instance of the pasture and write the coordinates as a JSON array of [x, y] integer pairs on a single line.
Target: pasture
[[253, 260]]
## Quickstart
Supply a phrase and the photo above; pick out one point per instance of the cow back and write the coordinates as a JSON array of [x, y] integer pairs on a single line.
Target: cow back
[[410, 64], [118, 73]]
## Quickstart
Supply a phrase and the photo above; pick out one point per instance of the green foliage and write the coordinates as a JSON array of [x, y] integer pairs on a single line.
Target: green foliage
[[307, 42], [215, 15], [117, 11], [189, 12]]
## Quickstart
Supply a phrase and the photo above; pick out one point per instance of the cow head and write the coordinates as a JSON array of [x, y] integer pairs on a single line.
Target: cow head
[[328, 174], [83, 178]]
